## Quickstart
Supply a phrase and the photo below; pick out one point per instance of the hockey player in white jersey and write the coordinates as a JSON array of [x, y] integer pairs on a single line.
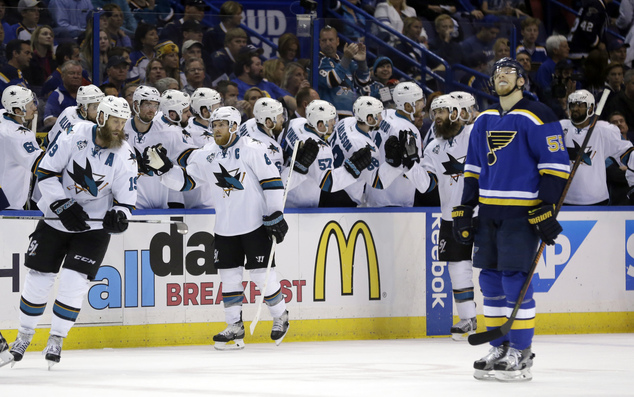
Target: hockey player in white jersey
[[248, 193], [589, 186], [410, 100], [19, 151], [321, 175], [88, 98], [89, 173], [469, 107], [146, 129], [204, 102]]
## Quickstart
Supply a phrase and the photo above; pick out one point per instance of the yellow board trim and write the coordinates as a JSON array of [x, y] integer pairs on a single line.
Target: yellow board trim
[[154, 335]]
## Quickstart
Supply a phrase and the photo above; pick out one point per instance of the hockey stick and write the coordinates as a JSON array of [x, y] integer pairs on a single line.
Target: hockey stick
[[488, 336], [260, 298], [181, 227], [33, 180]]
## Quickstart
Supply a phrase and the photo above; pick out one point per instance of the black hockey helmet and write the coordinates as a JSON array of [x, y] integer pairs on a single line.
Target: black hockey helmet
[[507, 62]]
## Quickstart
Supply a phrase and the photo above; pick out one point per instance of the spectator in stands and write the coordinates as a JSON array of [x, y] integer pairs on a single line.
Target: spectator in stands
[[614, 78], [166, 83], [478, 62], [524, 59], [86, 52], [230, 18], [617, 51], [117, 72], [623, 102], [588, 31], [128, 92], [618, 119], [65, 95], [145, 39], [30, 12], [6, 28], [129, 22], [194, 74], [194, 11], [250, 97], [192, 49], [228, 90], [348, 15], [294, 78], [154, 72], [304, 96], [42, 63], [558, 50], [530, 33], [3, 47], [338, 75], [288, 48], [19, 55], [125, 53], [191, 30], [274, 71], [109, 89], [382, 82], [412, 29], [391, 13], [249, 73], [501, 49], [485, 38], [224, 59], [114, 15], [593, 72], [70, 16], [445, 45], [151, 12], [64, 52], [505, 8], [167, 52]]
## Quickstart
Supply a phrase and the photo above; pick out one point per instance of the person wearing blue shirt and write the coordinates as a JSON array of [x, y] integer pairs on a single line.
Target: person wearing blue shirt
[[65, 95], [249, 73], [19, 55], [558, 50], [70, 16]]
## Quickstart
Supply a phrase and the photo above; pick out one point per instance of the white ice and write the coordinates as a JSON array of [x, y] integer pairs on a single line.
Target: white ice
[[565, 365]]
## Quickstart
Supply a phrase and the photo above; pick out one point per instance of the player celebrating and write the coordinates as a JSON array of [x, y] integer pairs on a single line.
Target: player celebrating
[[516, 170], [247, 192], [87, 173], [88, 98], [204, 102]]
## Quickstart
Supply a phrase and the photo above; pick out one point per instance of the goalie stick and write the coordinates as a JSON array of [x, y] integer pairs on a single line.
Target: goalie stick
[[488, 336]]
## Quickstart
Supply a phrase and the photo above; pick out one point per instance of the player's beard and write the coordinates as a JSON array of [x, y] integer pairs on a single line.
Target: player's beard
[[109, 140], [446, 129], [577, 117]]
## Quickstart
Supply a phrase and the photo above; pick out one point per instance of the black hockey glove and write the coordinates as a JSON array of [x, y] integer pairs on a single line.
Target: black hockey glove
[[463, 228], [393, 155], [275, 225], [544, 220], [115, 221], [409, 149], [141, 163], [306, 155], [359, 161], [72, 215], [156, 159]]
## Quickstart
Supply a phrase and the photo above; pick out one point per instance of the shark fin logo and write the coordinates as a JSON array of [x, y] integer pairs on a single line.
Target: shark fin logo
[[85, 179], [555, 258]]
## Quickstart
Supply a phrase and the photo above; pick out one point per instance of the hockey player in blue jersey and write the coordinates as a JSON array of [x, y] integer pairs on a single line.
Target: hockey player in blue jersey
[[516, 170]]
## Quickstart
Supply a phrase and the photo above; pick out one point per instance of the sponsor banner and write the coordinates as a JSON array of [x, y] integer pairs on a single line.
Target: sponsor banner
[[439, 298], [629, 255]]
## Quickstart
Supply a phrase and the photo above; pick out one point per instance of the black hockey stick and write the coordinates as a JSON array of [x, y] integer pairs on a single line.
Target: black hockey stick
[[488, 336], [181, 227]]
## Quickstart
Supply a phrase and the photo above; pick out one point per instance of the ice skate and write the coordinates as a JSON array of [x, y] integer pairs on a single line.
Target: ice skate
[[5, 356], [20, 345], [53, 351], [515, 366], [463, 328], [280, 328], [233, 332], [484, 366]]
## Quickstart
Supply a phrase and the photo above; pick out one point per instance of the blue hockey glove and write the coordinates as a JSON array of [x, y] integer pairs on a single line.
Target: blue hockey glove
[[463, 228]]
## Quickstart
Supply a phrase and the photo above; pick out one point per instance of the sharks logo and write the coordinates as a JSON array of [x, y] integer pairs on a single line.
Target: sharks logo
[[228, 180], [454, 168], [85, 179], [498, 140], [586, 157], [207, 135], [133, 157], [273, 148]]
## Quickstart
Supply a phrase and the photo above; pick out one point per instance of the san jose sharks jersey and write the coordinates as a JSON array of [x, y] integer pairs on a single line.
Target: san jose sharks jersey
[[305, 190], [346, 139], [68, 118], [97, 178], [200, 134], [151, 193], [250, 128], [589, 184], [197, 135], [245, 183], [19, 157], [515, 161]]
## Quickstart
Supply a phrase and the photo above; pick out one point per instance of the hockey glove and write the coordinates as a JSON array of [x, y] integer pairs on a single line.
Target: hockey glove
[[306, 155], [276, 226], [359, 161], [141, 163], [463, 228], [156, 159], [544, 220], [409, 149], [115, 222], [393, 154], [72, 215]]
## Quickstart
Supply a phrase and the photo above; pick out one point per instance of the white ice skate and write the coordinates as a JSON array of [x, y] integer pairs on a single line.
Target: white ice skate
[[18, 348], [5, 356], [463, 328], [515, 366], [484, 366], [233, 332], [280, 328], [53, 351]]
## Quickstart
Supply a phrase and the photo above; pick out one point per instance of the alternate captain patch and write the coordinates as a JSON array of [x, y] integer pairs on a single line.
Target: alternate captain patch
[[498, 140]]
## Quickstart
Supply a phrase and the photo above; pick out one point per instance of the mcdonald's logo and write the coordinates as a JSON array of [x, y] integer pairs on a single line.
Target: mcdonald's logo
[[347, 247]]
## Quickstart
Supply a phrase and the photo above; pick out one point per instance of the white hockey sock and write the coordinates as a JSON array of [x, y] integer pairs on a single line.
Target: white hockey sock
[[232, 293], [73, 287], [273, 296], [461, 274], [37, 286]]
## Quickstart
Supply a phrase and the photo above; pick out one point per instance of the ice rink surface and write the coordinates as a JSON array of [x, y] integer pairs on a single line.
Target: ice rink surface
[[565, 365]]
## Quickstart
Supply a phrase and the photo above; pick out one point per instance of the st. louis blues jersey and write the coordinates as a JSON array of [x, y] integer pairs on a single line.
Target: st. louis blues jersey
[[515, 160], [19, 157], [68, 118], [245, 184], [589, 185], [151, 193], [99, 179], [251, 129]]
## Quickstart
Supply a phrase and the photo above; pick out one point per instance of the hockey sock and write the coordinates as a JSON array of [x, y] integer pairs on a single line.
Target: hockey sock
[[461, 274], [494, 302], [523, 328], [73, 287], [232, 293], [37, 286], [273, 296]]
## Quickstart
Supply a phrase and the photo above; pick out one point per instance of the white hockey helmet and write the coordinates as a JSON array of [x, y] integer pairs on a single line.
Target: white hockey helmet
[[320, 110], [88, 94], [407, 92], [205, 97], [366, 106], [229, 113], [267, 108], [176, 101], [16, 96], [583, 96], [445, 102], [467, 102], [113, 106]]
